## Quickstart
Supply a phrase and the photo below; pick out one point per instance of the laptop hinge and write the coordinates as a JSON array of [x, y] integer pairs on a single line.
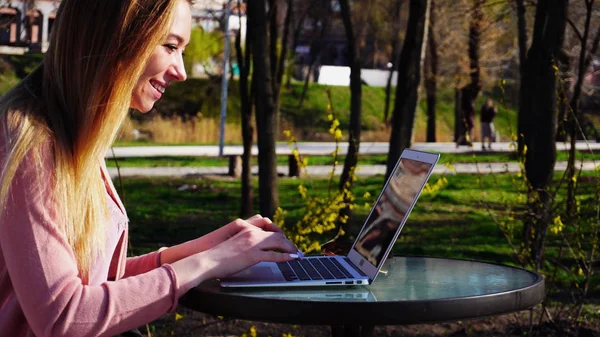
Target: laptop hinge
[[354, 266]]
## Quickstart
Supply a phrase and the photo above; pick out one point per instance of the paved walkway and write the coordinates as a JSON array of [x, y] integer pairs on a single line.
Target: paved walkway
[[318, 148], [324, 149]]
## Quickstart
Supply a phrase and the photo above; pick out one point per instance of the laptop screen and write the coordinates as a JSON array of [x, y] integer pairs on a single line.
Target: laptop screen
[[392, 206]]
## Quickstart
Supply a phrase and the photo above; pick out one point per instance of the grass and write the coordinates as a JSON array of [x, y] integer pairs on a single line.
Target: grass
[[451, 158], [454, 222]]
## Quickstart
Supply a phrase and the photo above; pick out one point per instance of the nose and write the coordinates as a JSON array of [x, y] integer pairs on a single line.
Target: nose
[[178, 68]]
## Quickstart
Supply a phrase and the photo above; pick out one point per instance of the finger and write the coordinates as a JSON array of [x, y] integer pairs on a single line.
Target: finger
[[270, 256], [234, 228], [254, 217], [277, 242], [265, 224]]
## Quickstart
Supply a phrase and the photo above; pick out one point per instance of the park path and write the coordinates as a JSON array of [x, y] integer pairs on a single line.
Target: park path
[[318, 148], [323, 149]]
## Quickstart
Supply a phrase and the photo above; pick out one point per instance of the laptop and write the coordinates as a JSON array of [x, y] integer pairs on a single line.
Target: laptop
[[338, 294], [372, 245]]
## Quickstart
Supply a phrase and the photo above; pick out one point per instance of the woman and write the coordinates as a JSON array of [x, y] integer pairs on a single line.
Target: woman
[[63, 229]]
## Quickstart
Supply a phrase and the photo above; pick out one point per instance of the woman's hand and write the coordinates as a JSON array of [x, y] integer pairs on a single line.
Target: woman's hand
[[217, 237], [250, 245], [228, 231], [242, 245]]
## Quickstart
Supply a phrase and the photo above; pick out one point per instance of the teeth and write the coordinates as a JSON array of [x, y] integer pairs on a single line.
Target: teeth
[[158, 87]]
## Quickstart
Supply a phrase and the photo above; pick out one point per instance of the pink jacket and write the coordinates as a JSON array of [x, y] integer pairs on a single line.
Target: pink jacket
[[41, 292]]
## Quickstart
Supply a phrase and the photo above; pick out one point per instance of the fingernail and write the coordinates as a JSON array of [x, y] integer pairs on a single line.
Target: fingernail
[[294, 256]]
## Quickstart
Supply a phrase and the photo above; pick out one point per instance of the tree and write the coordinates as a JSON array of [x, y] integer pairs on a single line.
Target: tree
[[268, 68], [522, 34], [322, 18], [246, 98], [395, 42], [469, 93], [277, 42], [265, 108], [203, 48], [355, 97], [586, 51], [522, 41], [299, 14], [409, 77], [537, 119], [431, 74]]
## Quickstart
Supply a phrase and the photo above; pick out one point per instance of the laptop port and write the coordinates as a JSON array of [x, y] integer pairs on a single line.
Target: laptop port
[[349, 282], [333, 282], [358, 282]]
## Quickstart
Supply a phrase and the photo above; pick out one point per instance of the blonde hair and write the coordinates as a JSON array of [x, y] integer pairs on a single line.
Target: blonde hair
[[76, 100]]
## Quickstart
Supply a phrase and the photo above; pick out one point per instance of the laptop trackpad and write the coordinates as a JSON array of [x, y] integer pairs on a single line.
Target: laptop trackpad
[[262, 272]]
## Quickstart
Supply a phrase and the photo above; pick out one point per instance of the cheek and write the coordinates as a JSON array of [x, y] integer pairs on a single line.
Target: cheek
[[149, 71], [156, 65]]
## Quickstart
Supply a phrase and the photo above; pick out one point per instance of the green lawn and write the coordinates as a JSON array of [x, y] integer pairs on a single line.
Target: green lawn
[[460, 220], [160, 213]]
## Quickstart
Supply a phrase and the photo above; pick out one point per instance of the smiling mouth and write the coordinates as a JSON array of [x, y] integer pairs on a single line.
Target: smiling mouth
[[158, 87]]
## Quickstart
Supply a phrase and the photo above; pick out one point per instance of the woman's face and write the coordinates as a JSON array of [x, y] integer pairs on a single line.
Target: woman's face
[[166, 62]]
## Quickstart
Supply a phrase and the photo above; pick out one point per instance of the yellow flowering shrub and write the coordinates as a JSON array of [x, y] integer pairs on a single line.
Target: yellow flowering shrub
[[321, 215]]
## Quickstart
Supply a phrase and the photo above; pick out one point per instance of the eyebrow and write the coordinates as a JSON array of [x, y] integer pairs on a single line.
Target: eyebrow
[[177, 37]]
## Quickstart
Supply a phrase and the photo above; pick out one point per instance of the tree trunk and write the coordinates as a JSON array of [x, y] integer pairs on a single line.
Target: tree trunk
[[431, 66], [355, 98], [471, 92], [459, 126], [266, 114], [468, 94], [395, 58], [522, 41], [537, 108], [273, 36], [278, 61], [585, 58], [284, 51], [296, 35], [243, 60], [564, 91], [474, 46], [522, 35], [315, 52], [409, 77]]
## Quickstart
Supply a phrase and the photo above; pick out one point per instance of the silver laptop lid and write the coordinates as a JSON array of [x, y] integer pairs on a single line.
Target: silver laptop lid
[[393, 206]]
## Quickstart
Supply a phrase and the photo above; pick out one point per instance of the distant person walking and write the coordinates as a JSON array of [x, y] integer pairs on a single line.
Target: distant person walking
[[488, 112]]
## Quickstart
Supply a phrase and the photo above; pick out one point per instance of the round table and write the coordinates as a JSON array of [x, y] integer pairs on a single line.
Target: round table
[[408, 290]]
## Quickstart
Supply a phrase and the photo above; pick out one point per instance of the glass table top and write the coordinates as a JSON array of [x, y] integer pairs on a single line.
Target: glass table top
[[413, 278], [408, 290]]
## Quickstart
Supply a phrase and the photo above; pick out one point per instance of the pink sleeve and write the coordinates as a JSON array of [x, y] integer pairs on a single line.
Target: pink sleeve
[[141, 264], [44, 274]]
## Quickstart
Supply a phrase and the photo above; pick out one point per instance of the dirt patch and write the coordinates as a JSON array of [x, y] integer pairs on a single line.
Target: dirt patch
[[188, 323]]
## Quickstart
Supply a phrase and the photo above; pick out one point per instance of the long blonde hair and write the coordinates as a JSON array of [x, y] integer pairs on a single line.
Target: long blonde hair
[[76, 100]]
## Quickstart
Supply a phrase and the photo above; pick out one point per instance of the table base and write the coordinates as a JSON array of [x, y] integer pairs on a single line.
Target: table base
[[352, 330]]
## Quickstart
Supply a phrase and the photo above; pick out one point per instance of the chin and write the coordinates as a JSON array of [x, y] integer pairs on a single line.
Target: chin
[[143, 108]]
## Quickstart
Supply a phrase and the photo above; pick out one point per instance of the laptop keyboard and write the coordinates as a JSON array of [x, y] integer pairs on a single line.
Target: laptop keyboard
[[321, 268]]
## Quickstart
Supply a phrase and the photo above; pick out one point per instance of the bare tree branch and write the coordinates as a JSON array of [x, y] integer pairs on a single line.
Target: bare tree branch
[[575, 29]]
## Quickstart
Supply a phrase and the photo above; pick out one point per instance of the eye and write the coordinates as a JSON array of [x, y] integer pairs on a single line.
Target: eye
[[170, 47]]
